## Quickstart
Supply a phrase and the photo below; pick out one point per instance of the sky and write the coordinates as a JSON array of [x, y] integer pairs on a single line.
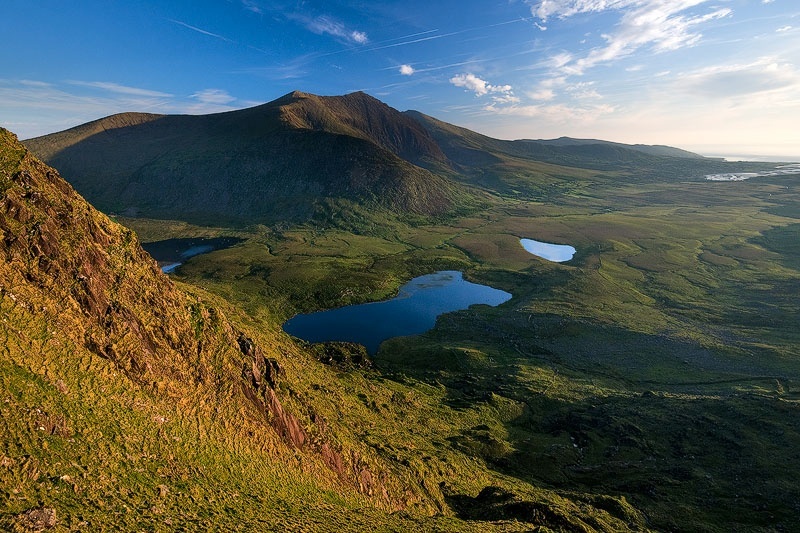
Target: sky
[[719, 77]]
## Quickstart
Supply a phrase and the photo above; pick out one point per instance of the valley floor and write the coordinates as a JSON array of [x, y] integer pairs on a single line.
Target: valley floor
[[654, 378]]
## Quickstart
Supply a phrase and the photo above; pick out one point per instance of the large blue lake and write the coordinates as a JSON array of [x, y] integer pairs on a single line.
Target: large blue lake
[[412, 311]]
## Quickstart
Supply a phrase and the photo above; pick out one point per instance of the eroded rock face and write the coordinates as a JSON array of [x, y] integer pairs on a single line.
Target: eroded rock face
[[342, 355], [38, 519], [260, 377]]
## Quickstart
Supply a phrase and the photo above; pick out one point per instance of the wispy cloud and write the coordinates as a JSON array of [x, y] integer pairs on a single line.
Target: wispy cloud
[[42, 107], [211, 101], [556, 113], [546, 89], [783, 29], [583, 91], [766, 75], [295, 68], [119, 89], [38, 107], [253, 6], [200, 30], [213, 96], [324, 25], [661, 25]]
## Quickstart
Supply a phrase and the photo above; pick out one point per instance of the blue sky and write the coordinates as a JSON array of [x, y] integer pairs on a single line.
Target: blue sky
[[715, 76]]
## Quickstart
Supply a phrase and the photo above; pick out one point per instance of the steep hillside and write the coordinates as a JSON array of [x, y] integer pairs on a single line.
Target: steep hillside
[[276, 162], [121, 392]]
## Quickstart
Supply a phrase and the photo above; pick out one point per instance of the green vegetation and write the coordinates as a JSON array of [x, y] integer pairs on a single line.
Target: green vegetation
[[659, 366], [649, 384]]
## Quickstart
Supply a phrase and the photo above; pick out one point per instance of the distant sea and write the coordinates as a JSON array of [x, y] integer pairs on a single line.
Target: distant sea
[[757, 158]]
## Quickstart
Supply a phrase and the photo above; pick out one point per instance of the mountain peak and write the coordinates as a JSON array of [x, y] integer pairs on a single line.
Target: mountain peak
[[363, 116]]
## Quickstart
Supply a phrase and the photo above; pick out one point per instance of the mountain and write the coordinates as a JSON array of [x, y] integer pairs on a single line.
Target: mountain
[[274, 162], [303, 157], [469, 149], [658, 150]]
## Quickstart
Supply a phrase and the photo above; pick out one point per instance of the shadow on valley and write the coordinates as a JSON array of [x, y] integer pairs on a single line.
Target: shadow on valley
[[693, 438]]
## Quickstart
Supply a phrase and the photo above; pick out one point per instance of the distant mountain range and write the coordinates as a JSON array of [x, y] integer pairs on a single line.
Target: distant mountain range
[[282, 161]]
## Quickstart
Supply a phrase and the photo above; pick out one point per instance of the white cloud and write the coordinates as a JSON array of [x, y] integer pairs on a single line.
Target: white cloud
[[406, 70], [480, 87], [359, 36], [765, 75], [659, 24], [213, 96], [783, 29]]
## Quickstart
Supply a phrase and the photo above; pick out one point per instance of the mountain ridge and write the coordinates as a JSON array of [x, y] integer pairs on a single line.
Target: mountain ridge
[[299, 158], [273, 162]]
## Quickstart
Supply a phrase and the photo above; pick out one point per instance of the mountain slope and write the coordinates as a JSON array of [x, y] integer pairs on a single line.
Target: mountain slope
[[114, 377], [274, 162], [328, 159], [469, 149], [658, 150], [360, 115]]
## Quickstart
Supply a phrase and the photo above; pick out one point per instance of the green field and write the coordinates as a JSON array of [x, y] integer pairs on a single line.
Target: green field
[[654, 376]]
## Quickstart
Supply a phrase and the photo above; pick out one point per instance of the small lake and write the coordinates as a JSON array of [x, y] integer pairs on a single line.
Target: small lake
[[171, 253], [413, 311], [552, 252]]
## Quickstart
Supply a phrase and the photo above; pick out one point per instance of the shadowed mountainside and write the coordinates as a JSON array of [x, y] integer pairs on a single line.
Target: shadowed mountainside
[[659, 150], [274, 162], [468, 149], [290, 160]]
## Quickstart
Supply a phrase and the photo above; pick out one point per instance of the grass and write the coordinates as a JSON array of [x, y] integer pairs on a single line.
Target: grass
[[650, 383], [659, 367]]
